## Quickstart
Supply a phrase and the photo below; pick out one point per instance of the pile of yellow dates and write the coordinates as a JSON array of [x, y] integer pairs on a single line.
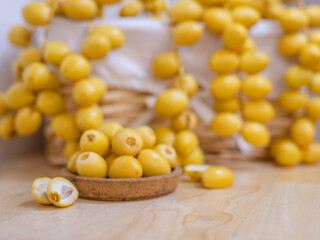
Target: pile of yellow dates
[[302, 43], [116, 152], [186, 30], [237, 98]]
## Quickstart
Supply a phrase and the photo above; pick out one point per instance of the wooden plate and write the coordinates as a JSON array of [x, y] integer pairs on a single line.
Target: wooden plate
[[124, 189]]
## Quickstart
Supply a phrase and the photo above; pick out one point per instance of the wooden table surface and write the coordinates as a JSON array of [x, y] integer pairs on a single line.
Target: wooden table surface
[[266, 202]]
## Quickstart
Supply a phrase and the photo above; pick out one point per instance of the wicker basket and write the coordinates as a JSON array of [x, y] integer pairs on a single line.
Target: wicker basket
[[125, 106]]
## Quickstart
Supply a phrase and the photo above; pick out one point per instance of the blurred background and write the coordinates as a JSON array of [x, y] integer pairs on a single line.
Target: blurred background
[[10, 14]]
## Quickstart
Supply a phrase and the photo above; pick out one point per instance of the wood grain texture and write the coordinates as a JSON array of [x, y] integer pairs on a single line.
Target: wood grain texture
[[266, 202]]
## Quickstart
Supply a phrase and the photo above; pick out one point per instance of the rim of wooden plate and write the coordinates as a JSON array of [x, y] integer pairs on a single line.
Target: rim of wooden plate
[[124, 189]]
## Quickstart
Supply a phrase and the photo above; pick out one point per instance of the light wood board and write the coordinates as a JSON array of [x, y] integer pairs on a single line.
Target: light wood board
[[266, 202]]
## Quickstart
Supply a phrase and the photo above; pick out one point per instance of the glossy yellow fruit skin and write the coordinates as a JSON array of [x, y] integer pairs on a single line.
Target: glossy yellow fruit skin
[[165, 135], [179, 161], [27, 121], [127, 142], [303, 131], [114, 34], [186, 142], [234, 36], [316, 67], [55, 52], [195, 157], [39, 190], [91, 164], [310, 55], [293, 19], [148, 136], [259, 111], [58, 4], [288, 154], [226, 124], [64, 126], [252, 3], [96, 46], [315, 37], [314, 85], [217, 19], [75, 67], [274, 11], [293, 100], [125, 167], [16, 69], [3, 106], [185, 120], [110, 129], [256, 134], [187, 83], [107, 1], [256, 87], [80, 9], [131, 9], [275, 143], [85, 93], [168, 152], [109, 159], [217, 177], [311, 153], [94, 141], [50, 103], [37, 13], [253, 62], [7, 130], [70, 148], [166, 65], [313, 12], [72, 162], [56, 192], [28, 56], [89, 117], [155, 6], [153, 164], [249, 45], [313, 108], [195, 170], [164, 104], [53, 83], [36, 76], [18, 96], [186, 10], [211, 2], [225, 86], [224, 61], [248, 16], [187, 33], [100, 85], [291, 44], [20, 36], [228, 105]]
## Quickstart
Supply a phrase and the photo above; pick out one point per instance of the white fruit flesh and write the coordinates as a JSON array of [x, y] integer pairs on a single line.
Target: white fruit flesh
[[39, 190], [195, 170], [61, 192]]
